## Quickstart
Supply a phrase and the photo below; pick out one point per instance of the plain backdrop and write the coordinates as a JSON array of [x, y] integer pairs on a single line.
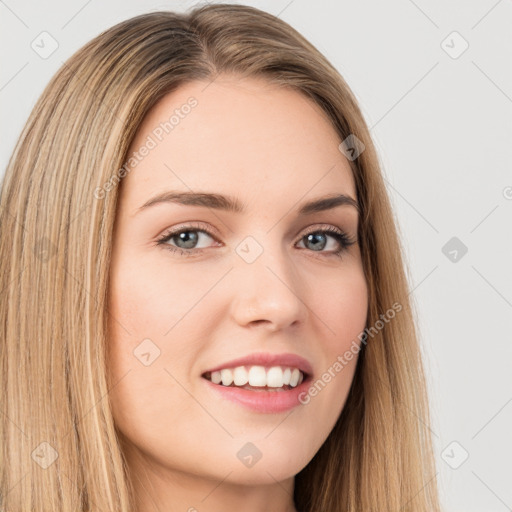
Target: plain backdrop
[[434, 81]]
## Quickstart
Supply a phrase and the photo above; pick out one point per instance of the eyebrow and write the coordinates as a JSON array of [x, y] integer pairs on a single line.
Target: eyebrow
[[231, 204]]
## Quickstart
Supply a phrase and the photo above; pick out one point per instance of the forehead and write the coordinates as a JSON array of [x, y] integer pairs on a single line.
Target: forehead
[[242, 137]]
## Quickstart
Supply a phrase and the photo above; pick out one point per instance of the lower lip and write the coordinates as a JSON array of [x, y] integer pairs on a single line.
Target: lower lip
[[262, 401]]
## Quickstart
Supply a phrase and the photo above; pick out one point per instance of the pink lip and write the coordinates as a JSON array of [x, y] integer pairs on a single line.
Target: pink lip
[[268, 360], [263, 401]]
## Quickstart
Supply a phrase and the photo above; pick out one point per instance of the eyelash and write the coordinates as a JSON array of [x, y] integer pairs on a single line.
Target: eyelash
[[342, 238]]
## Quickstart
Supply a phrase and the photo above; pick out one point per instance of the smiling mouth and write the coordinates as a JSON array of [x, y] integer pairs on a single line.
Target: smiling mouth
[[275, 379], [285, 387]]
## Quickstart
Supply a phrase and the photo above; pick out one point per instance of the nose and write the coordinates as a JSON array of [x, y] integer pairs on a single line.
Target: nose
[[267, 291]]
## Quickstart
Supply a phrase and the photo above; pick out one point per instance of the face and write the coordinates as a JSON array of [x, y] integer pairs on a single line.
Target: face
[[195, 286]]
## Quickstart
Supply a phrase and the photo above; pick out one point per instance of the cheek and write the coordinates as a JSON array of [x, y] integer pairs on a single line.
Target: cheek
[[341, 311], [151, 296], [148, 306], [142, 359], [342, 306]]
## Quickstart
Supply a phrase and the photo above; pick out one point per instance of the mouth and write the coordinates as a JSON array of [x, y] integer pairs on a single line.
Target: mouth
[[264, 390], [258, 378]]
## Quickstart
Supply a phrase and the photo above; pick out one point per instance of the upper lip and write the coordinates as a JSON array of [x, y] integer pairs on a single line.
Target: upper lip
[[267, 359]]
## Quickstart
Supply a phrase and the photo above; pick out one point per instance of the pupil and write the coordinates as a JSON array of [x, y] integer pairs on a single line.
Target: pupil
[[314, 236], [189, 240]]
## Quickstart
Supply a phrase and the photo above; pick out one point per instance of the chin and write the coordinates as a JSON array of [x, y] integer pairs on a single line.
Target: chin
[[263, 474]]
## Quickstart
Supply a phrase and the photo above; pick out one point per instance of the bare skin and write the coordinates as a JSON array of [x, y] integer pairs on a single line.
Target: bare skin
[[272, 149]]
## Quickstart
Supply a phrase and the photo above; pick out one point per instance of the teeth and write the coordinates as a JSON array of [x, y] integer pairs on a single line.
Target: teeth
[[240, 377], [274, 378], [216, 377], [258, 376], [227, 377], [294, 379]]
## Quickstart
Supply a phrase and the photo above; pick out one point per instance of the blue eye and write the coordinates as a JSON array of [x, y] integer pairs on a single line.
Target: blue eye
[[188, 237], [318, 236]]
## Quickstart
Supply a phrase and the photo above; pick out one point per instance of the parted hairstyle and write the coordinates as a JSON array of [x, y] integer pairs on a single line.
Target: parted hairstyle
[[56, 242]]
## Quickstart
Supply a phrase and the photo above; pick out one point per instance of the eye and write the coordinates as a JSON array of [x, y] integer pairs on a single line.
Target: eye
[[318, 238], [186, 237]]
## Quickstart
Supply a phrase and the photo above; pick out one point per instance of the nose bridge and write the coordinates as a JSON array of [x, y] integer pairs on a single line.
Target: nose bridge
[[266, 285]]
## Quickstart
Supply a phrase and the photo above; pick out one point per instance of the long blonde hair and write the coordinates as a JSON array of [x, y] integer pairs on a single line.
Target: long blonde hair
[[60, 448]]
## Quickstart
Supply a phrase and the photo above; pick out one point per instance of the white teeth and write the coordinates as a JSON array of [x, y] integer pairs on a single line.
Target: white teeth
[[227, 377], [258, 376], [275, 377], [294, 379], [240, 376]]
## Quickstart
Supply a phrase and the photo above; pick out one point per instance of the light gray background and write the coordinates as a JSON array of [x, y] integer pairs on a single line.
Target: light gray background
[[443, 126]]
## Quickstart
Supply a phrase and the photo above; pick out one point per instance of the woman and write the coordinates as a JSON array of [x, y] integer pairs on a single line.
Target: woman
[[267, 362]]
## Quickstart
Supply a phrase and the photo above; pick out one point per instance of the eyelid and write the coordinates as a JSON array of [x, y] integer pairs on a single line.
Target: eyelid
[[210, 231], [334, 231], [190, 226]]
